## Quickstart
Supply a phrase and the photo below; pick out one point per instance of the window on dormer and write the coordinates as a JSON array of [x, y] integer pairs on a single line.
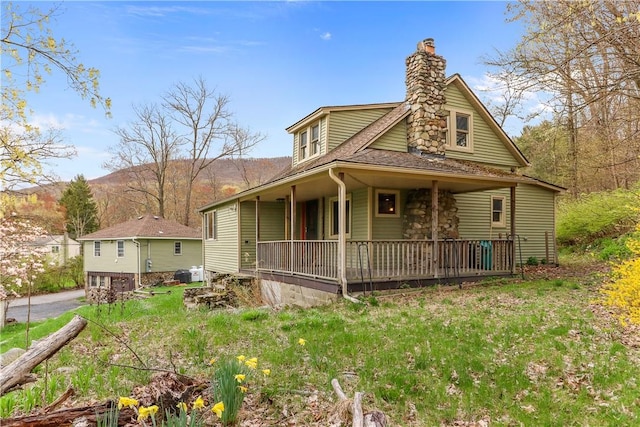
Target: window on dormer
[[303, 145], [315, 139], [309, 142]]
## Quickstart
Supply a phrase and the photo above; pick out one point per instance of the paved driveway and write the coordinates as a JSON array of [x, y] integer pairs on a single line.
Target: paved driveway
[[45, 306]]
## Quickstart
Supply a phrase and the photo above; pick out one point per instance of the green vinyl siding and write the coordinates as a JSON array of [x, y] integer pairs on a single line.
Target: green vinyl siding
[[272, 220], [474, 213], [535, 215], [221, 254], [271, 228], [345, 124], [388, 228], [248, 233], [487, 146], [160, 251], [163, 258], [360, 214], [394, 140]]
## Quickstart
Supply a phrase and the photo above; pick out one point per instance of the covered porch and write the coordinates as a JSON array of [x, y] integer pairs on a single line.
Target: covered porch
[[324, 231]]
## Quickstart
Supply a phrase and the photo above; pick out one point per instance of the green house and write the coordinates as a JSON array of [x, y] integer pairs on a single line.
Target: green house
[[139, 252], [387, 195]]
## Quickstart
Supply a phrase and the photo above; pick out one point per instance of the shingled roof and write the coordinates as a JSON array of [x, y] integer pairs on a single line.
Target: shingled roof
[[355, 150], [145, 227]]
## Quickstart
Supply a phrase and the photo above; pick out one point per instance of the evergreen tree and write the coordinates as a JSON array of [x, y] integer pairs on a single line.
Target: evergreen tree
[[81, 213]]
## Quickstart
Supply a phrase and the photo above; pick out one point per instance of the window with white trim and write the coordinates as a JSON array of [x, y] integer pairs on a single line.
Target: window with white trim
[[96, 248], [387, 202], [177, 248], [498, 211], [309, 142], [120, 245], [211, 225], [55, 249], [335, 205], [460, 130]]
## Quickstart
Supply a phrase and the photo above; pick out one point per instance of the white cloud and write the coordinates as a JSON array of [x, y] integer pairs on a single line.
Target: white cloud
[[325, 36]]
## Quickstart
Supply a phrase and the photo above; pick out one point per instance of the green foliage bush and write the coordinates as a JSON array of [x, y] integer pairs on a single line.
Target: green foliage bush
[[57, 278], [596, 216]]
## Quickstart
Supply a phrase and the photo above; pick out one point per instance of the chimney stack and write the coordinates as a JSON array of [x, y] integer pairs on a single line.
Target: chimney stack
[[425, 80]]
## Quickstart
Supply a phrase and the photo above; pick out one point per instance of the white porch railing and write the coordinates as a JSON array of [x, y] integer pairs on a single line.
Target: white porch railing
[[387, 259]]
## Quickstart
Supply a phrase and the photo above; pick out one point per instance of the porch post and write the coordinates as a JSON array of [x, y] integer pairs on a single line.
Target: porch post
[[257, 220], [434, 228], [512, 202], [292, 214], [257, 229]]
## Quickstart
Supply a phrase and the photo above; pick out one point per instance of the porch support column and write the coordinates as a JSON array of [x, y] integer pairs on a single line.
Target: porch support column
[[434, 228], [512, 202], [257, 229], [292, 232]]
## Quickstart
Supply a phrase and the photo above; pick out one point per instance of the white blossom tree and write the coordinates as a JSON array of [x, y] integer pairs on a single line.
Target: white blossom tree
[[21, 261]]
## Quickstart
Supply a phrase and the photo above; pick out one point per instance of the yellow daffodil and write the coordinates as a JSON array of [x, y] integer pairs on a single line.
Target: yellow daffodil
[[218, 409], [199, 403], [243, 389], [241, 358], [182, 406], [266, 372], [146, 411], [240, 377], [302, 341], [252, 363], [212, 361], [127, 402]]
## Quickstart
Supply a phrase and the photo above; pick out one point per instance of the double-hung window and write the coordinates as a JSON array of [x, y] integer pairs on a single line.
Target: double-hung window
[[497, 211], [211, 225], [177, 248], [304, 136], [460, 130], [96, 248], [120, 248], [309, 142]]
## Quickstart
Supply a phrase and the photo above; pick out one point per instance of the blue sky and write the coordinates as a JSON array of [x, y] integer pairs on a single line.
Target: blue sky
[[277, 61]]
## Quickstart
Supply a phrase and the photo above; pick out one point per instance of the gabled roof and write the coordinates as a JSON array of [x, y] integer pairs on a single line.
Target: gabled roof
[[145, 227], [323, 111], [457, 80], [54, 239]]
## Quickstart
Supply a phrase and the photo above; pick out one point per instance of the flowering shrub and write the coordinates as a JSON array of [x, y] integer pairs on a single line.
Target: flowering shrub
[[623, 293]]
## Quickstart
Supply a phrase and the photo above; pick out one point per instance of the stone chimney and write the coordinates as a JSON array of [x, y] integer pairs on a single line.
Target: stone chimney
[[426, 125]]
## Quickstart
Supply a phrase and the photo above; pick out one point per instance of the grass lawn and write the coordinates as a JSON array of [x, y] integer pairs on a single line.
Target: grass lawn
[[500, 353]]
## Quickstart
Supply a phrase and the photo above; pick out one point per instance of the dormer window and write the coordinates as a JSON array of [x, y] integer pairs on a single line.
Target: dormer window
[[309, 142], [460, 131]]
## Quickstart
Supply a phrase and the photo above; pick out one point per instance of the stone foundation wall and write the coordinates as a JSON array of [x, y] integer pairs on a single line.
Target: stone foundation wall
[[417, 218], [281, 294]]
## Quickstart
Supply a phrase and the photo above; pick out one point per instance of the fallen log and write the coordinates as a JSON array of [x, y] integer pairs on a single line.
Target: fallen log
[[70, 417], [18, 370]]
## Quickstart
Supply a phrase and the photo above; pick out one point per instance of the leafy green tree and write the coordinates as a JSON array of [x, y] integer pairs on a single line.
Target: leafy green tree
[[81, 213]]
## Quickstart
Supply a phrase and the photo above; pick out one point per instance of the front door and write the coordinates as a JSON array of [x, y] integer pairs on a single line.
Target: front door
[[310, 226]]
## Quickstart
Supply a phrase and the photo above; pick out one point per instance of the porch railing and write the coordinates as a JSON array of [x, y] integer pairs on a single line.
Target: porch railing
[[387, 259], [316, 258]]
